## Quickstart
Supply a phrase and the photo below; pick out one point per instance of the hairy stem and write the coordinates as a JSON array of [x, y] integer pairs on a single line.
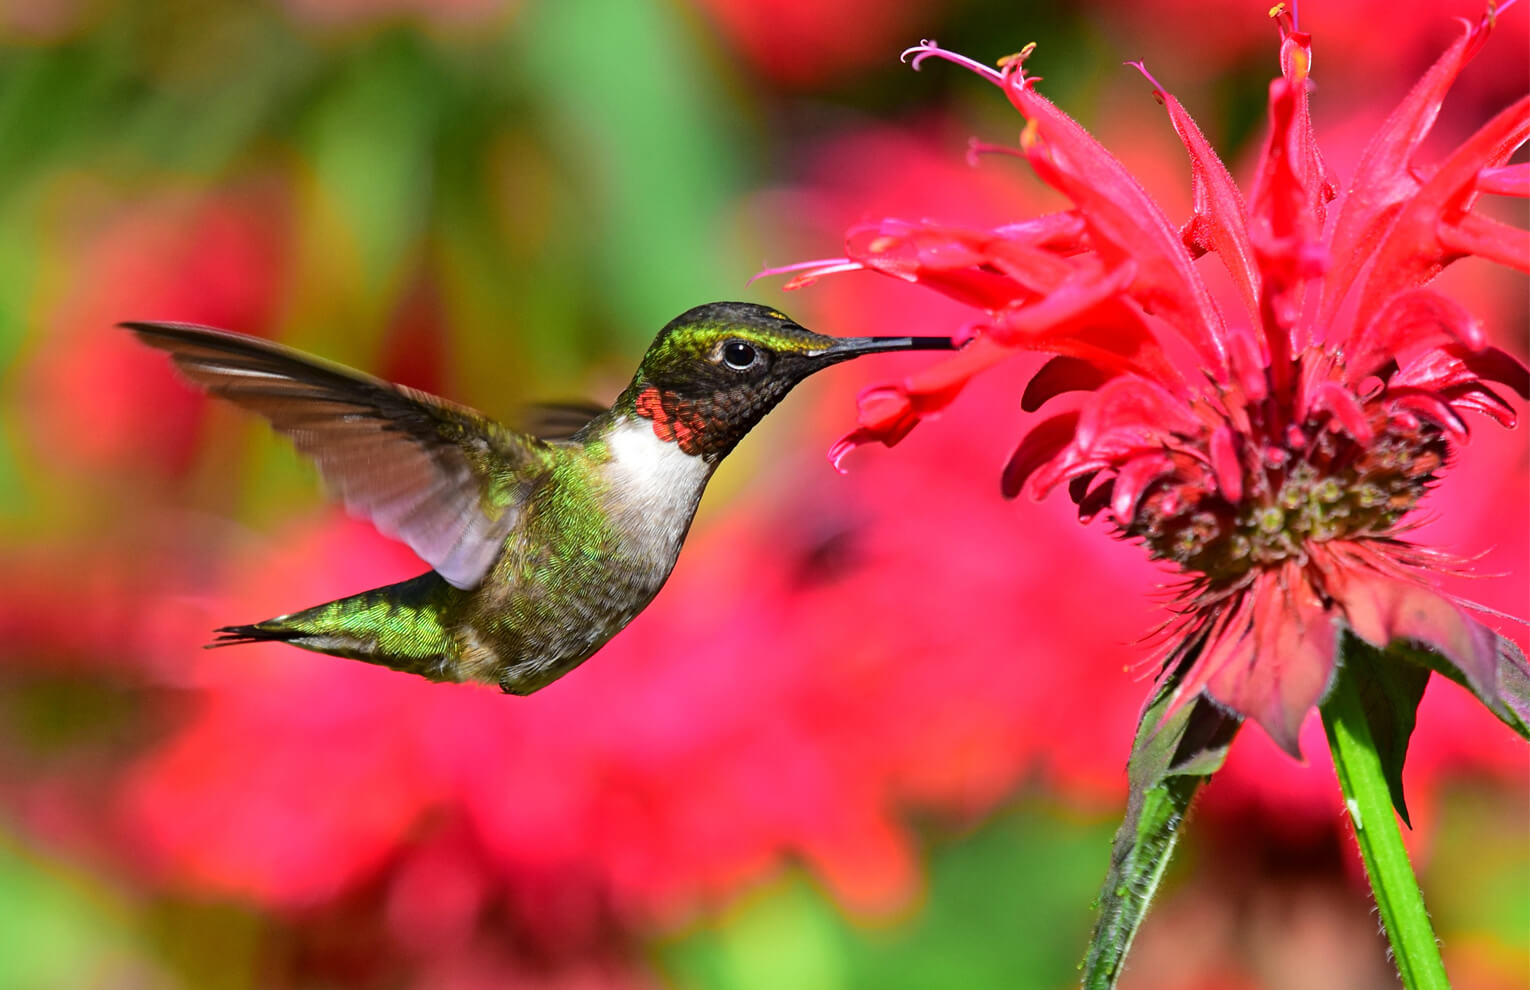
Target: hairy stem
[[1355, 760]]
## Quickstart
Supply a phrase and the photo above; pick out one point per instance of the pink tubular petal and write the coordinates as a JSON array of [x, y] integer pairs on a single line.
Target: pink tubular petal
[[1476, 397], [1059, 375], [888, 412], [1411, 253], [1484, 237], [1454, 367], [1096, 499], [1132, 482], [1225, 464], [1095, 322], [1044, 442], [1286, 210], [1499, 366], [1382, 610], [1430, 408], [1384, 179], [845, 444], [1409, 323], [1063, 232], [1230, 641], [883, 409], [1506, 180], [1039, 270], [1137, 409], [1340, 403], [1435, 370], [1291, 665], [934, 387], [1248, 363], [1070, 302], [990, 269], [1127, 417], [1220, 223], [951, 260], [1123, 221]]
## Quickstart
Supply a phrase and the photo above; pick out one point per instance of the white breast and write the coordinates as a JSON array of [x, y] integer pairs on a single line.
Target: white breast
[[658, 485]]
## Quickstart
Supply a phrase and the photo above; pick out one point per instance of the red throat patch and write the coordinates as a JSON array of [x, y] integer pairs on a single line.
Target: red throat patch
[[678, 422]]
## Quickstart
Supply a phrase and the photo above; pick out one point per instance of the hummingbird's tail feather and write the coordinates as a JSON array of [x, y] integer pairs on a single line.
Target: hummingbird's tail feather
[[403, 626]]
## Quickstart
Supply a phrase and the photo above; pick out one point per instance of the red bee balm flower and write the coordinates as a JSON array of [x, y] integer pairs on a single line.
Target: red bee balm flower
[[1277, 477]]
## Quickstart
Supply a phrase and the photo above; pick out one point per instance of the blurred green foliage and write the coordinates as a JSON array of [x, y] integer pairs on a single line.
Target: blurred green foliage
[[971, 930]]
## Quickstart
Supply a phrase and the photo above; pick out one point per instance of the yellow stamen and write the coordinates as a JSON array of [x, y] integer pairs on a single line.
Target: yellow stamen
[[1030, 136], [1018, 57]]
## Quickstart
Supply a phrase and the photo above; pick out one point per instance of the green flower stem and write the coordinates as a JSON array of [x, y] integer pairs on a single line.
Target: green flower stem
[[1393, 884]]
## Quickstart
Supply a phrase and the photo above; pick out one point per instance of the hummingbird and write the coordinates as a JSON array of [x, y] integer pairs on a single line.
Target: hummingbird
[[541, 549]]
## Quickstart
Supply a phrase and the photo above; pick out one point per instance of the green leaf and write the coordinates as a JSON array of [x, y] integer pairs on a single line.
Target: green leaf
[[1171, 758], [1508, 697], [1390, 689]]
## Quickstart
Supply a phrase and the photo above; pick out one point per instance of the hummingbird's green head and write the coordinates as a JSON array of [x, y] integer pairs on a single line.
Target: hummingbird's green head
[[714, 371]]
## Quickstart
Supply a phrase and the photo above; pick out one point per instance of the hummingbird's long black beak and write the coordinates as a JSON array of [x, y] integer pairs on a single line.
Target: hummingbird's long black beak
[[849, 347]]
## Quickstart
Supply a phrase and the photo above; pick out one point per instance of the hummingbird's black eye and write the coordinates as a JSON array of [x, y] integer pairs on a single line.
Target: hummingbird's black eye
[[738, 354]]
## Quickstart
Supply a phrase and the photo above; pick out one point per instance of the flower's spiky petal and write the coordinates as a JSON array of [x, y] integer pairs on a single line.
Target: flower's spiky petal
[[1225, 463], [1124, 223], [1061, 374], [1125, 419], [1248, 361], [1137, 408], [1063, 232], [1457, 374], [1478, 398], [1273, 660], [1483, 237], [1133, 480], [1287, 205], [1432, 230], [945, 258], [1430, 408], [1384, 180], [1506, 180], [1040, 297], [888, 412], [1496, 365], [1412, 321], [1345, 408], [1220, 223], [1043, 443], [1383, 610]]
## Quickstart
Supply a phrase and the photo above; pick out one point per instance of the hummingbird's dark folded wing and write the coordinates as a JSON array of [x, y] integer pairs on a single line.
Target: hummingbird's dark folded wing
[[441, 477]]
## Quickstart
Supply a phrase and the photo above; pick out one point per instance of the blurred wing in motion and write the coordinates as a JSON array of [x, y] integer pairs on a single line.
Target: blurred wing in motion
[[442, 478], [557, 420]]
